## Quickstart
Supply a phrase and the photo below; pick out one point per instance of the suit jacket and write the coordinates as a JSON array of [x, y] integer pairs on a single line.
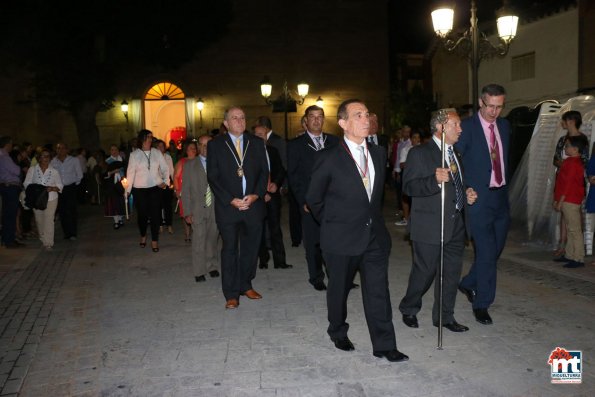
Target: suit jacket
[[339, 201], [277, 171], [279, 143], [194, 189], [301, 152], [477, 163], [419, 182], [227, 185]]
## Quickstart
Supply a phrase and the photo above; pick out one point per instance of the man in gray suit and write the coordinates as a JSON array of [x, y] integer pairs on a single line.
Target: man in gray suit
[[199, 211], [422, 178]]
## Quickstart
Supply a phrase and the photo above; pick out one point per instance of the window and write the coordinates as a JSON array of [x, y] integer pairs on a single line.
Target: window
[[523, 67]]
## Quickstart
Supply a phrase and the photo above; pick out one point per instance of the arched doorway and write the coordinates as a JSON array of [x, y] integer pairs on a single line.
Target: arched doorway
[[165, 112]]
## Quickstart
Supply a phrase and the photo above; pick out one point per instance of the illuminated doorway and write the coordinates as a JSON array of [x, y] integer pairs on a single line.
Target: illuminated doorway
[[165, 112]]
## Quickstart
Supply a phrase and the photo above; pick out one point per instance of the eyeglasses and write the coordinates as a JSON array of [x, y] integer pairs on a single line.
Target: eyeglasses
[[492, 107]]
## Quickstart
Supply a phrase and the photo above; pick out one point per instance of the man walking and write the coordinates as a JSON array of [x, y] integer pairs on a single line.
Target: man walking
[[345, 195], [484, 145], [71, 174], [422, 180]]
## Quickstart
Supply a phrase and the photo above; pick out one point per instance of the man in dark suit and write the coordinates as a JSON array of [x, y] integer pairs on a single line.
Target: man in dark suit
[[484, 147], [272, 199], [380, 140], [300, 159], [345, 197], [238, 172], [422, 178]]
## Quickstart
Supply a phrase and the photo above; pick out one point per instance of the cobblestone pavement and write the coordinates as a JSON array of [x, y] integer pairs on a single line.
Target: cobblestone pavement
[[103, 317]]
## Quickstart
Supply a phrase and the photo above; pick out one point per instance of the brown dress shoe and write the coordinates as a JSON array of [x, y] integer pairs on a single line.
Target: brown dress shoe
[[232, 304], [252, 294]]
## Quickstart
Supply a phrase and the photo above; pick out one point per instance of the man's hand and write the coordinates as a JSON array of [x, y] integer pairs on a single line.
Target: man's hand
[[272, 187], [442, 175], [188, 219], [238, 203], [267, 198], [306, 209], [557, 205], [471, 195]]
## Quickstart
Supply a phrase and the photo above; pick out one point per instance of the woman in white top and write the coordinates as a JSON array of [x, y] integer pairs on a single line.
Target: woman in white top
[[43, 174], [167, 193], [147, 175]]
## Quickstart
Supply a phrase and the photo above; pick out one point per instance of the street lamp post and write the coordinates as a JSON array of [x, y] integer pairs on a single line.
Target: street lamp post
[[284, 102], [200, 105], [473, 43], [124, 109]]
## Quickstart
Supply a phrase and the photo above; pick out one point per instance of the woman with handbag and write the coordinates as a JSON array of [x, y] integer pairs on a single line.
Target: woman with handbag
[[147, 176], [44, 174]]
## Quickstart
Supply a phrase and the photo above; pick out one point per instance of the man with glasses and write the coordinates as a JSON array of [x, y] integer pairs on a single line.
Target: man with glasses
[[484, 145]]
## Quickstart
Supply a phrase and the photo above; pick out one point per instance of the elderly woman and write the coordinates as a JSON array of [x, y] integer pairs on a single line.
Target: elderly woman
[[43, 174], [148, 175]]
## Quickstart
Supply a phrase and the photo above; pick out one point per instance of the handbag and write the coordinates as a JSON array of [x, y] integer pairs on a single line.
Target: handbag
[[36, 196]]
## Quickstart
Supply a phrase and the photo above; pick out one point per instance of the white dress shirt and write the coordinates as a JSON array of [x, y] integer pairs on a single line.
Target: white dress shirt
[[69, 169], [355, 153], [141, 175], [51, 177]]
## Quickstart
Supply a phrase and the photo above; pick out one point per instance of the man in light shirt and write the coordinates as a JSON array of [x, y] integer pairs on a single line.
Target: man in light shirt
[[71, 174]]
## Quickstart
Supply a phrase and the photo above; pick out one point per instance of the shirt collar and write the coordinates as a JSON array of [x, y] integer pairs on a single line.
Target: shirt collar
[[439, 143]]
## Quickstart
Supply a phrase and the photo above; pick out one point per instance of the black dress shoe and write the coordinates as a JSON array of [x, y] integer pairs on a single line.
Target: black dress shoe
[[469, 293], [295, 244], [214, 273], [263, 265], [283, 266], [354, 286], [454, 326], [561, 258], [410, 320], [394, 356], [343, 344], [482, 316], [200, 279], [320, 286]]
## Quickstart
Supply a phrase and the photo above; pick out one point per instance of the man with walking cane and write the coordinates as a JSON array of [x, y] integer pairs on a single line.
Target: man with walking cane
[[433, 178]]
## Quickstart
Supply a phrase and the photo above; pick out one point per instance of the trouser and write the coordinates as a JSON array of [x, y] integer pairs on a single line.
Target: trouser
[[148, 207], [67, 210], [205, 257], [575, 245], [273, 221], [311, 238], [166, 197], [241, 241], [10, 205], [425, 270], [45, 223], [373, 268]]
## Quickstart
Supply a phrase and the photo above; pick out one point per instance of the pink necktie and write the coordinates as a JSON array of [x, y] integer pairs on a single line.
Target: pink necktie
[[495, 155]]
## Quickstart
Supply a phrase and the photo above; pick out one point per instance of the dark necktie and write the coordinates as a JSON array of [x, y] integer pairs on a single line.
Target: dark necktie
[[495, 156], [456, 177]]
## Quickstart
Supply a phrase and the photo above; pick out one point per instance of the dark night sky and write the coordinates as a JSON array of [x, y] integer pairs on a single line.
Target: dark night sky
[[411, 23]]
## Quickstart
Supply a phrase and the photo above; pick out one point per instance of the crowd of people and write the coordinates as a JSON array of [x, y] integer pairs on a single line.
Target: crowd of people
[[228, 191]]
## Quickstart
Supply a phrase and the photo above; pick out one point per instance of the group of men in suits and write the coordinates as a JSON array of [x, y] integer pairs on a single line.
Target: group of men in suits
[[338, 184]]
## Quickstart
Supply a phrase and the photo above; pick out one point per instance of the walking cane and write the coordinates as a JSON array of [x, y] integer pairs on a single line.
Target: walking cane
[[442, 119]]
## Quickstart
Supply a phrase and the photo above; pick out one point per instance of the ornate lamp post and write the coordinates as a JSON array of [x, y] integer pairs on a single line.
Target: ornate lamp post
[[284, 102], [473, 43]]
